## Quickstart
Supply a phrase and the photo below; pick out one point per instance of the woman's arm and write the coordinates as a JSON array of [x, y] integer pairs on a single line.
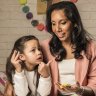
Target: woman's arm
[[85, 91]]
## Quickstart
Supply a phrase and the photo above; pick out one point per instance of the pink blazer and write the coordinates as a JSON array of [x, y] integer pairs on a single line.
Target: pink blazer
[[85, 70]]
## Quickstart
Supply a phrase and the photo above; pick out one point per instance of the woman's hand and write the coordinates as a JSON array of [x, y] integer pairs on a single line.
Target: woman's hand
[[68, 88], [44, 69], [15, 60]]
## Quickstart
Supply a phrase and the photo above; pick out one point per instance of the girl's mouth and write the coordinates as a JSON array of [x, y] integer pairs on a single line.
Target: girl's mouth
[[40, 58]]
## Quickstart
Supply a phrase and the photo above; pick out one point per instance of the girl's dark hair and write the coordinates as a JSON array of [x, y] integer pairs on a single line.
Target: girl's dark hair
[[19, 46], [79, 36]]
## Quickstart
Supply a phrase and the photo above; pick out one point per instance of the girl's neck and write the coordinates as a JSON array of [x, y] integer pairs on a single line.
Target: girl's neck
[[30, 67]]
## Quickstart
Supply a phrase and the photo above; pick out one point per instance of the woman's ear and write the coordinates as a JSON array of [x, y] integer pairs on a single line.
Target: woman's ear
[[22, 57]]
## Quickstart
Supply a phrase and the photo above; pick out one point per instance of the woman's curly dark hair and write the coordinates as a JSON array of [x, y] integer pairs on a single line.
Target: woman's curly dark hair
[[79, 37]]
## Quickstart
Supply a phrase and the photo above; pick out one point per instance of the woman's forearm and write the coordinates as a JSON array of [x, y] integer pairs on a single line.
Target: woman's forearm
[[88, 91], [85, 91]]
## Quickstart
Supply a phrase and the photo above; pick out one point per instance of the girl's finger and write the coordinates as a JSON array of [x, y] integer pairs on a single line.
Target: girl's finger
[[14, 54], [17, 55], [49, 62]]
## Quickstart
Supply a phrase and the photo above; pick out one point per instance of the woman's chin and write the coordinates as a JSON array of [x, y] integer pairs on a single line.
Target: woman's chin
[[62, 39]]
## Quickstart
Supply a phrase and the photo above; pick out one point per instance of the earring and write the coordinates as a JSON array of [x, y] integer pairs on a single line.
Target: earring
[[75, 25]]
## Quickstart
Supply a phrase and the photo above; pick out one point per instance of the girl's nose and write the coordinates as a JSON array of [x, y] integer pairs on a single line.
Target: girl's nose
[[39, 52]]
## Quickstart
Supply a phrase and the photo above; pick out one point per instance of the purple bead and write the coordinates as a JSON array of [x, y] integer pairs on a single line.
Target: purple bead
[[29, 15]]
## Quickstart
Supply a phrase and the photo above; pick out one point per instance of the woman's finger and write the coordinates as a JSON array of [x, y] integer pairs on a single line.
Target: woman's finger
[[77, 83]]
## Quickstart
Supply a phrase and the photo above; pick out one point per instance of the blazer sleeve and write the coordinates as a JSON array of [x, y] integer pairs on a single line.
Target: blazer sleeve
[[92, 71]]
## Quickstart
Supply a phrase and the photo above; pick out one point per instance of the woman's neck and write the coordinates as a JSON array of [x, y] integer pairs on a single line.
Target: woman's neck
[[69, 50]]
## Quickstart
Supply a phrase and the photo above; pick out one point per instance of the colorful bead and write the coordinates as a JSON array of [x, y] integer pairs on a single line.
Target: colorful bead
[[34, 23], [29, 15], [22, 2], [25, 9], [40, 27]]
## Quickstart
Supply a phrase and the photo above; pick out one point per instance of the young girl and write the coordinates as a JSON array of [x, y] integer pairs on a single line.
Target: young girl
[[25, 68]]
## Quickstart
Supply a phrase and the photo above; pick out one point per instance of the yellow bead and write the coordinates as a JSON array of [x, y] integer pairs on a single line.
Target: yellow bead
[[23, 2]]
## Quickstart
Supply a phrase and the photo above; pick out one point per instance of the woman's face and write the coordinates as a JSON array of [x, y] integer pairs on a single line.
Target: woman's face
[[61, 26]]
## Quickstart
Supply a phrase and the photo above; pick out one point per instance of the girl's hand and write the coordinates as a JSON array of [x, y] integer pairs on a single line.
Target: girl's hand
[[15, 60], [44, 69], [9, 90]]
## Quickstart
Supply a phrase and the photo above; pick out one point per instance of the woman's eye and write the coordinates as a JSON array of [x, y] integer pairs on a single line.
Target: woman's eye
[[63, 23], [53, 24]]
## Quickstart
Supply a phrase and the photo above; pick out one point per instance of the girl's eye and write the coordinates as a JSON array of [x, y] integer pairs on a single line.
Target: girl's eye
[[33, 50], [39, 49]]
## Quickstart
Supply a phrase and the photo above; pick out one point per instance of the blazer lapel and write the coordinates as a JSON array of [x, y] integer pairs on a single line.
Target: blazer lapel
[[81, 69]]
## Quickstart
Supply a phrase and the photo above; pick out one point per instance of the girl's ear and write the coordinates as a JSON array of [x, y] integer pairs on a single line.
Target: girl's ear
[[22, 57]]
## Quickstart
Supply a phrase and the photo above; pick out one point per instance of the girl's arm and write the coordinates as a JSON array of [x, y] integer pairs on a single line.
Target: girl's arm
[[44, 86], [9, 90], [20, 84], [19, 78]]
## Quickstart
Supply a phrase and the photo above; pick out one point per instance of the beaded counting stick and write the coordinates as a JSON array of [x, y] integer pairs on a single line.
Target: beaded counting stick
[[29, 16]]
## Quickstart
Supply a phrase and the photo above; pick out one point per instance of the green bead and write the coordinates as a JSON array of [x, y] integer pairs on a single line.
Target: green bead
[[34, 23], [25, 9]]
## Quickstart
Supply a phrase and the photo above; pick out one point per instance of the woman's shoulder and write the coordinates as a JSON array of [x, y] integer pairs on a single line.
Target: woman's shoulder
[[45, 42], [92, 44], [92, 48]]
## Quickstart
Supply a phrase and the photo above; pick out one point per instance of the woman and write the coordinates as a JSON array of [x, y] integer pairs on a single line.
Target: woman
[[72, 50]]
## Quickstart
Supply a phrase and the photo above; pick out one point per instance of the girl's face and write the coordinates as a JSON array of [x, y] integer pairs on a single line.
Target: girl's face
[[32, 53], [61, 26]]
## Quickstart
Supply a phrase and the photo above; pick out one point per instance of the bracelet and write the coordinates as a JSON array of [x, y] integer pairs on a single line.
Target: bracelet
[[80, 91]]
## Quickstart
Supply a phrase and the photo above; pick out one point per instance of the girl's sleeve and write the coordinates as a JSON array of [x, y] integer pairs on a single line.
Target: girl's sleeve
[[44, 86], [20, 84]]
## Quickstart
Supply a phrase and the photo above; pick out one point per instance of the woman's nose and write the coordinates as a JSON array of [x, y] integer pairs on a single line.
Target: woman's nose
[[58, 29]]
